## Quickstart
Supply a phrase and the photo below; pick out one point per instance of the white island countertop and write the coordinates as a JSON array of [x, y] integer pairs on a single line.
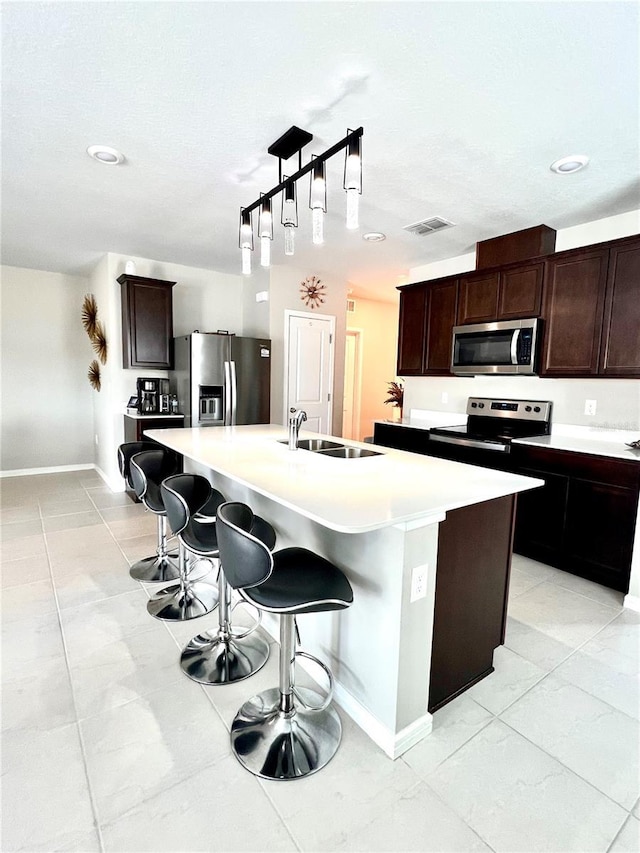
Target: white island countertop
[[345, 495]]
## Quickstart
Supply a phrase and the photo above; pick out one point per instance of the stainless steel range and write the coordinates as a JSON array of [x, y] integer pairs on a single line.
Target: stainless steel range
[[490, 428]]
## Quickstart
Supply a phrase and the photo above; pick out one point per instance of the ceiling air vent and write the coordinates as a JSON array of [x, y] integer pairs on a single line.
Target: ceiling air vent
[[428, 226]]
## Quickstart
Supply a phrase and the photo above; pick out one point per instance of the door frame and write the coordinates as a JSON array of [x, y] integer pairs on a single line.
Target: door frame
[[306, 315], [358, 336]]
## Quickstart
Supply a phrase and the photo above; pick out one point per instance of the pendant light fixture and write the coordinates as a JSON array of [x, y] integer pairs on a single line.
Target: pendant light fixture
[[246, 240], [290, 143], [289, 216], [318, 200], [265, 231], [353, 180]]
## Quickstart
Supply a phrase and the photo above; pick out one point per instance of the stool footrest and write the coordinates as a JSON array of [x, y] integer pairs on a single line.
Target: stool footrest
[[300, 694]]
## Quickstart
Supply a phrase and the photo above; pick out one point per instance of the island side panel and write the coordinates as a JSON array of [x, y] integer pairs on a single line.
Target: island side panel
[[379, 648], [472, 584]]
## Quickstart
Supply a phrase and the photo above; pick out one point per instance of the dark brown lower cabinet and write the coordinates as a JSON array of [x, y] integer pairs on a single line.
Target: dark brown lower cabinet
[[583, 519], [472, 586]]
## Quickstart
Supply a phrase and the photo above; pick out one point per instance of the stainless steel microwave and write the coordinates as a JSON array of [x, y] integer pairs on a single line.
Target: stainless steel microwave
[[505, 347]]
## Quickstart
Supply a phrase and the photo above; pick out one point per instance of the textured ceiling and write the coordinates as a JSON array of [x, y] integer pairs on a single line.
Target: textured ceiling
[[464, 106]]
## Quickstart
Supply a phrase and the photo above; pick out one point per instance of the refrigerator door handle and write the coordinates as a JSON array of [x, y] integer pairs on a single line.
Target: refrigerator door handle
[[227, 394], [234, 393]]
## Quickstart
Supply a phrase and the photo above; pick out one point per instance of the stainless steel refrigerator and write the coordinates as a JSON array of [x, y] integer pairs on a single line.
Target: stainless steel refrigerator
[[221, 380]]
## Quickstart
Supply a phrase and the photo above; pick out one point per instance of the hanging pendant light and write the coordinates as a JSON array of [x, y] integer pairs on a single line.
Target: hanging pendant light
[[290, 143], [353, 179], [265, 232], [318, 199], [246, 240], [289, 215]]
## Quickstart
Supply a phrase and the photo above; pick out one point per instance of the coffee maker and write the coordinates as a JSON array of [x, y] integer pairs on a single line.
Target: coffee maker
[[151, 392]]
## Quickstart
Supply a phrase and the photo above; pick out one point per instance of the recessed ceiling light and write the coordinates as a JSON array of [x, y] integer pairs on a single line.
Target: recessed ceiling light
[[104, 154], [374, 236], [567, 165]]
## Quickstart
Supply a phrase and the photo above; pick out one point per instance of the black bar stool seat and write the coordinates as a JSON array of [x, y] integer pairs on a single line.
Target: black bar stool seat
[[228, 655], [286, 732], [190, 597], [163, 565]]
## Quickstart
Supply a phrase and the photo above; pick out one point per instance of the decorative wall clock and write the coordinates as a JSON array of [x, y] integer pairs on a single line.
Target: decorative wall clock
[[312, 291]]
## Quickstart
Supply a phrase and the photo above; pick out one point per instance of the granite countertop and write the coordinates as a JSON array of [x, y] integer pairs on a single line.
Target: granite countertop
[[346, 495]]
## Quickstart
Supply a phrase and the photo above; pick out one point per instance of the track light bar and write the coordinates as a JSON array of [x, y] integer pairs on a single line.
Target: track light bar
[[283, 148], [355, 134]]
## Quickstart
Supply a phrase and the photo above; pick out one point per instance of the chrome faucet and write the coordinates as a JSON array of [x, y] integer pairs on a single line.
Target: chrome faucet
[[296, 417]]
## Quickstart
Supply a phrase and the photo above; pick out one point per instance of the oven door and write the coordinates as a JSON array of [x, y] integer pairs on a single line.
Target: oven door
[[470, 451], [506, 347]]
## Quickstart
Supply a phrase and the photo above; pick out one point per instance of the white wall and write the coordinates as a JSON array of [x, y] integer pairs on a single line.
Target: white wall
[[202, 299], [618, 400], [46, 396], [378, 323], [285, 294]]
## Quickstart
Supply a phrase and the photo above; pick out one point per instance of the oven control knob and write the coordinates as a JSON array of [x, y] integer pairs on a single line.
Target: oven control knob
[[474, 405], [481, 405], [527, 408], [537, 409]]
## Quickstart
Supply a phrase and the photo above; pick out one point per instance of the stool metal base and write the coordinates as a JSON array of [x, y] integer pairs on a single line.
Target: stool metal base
[[152, 569], [178, 604], [274, 745], [218, 660]]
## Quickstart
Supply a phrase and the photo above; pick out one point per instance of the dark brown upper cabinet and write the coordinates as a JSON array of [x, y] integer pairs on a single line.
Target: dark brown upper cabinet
[[147, 322], [575, 285], [441, 311], [427, 317], [502, 294], [411, 337], [620, 348]]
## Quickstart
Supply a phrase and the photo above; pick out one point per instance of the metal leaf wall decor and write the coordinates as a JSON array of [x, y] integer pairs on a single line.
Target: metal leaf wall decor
[[99, 342], [97, 335], [89, 314], [94, 375]]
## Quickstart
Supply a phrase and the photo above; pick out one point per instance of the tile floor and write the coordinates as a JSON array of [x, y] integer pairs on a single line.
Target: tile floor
[[107, 746]]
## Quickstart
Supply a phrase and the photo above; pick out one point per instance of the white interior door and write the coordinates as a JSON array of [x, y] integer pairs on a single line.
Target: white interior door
[[309, 368], [352, 385]]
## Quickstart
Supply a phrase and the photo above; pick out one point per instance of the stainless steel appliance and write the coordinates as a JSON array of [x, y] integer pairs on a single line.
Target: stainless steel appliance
[[504, 347], [491, 426], [221, 379], [150, 394]]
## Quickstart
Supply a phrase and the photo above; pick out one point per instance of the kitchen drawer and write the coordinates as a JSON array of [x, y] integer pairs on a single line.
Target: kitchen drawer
[[602, 469]]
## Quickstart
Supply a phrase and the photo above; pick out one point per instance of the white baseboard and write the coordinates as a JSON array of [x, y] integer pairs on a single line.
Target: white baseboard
[[393, 744], [115, 486], [55, 469], [632, 602]]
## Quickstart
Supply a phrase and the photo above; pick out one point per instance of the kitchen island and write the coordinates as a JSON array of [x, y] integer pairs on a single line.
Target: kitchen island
[[425, 543]]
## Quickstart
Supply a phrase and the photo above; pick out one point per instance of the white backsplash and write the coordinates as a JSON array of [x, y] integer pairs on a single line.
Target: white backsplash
[[617, 400]]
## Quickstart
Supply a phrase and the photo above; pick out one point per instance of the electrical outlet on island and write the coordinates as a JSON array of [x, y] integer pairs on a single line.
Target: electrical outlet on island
[[419, 582]]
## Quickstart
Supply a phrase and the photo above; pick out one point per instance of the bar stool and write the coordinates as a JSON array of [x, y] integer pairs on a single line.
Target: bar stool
[[160, 567], [189, 598], [286, 732], [228, 656]]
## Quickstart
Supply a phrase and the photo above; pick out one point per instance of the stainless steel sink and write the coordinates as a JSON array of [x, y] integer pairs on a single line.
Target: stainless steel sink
[[350, 452], [315, 444]]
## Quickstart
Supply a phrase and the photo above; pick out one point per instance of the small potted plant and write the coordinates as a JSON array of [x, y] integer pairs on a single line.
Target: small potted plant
[[396, 395]]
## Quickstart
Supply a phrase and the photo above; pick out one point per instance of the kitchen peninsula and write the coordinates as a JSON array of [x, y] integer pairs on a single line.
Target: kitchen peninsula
[[425, 543]]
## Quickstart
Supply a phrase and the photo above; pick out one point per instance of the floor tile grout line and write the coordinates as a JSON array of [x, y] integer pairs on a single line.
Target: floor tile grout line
[[619, 832], [566, 767], [83, 751], [553, 670]]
